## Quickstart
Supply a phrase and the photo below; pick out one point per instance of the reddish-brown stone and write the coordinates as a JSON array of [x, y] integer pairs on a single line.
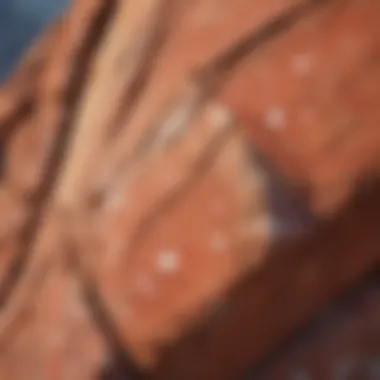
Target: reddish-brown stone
[[199, 227]]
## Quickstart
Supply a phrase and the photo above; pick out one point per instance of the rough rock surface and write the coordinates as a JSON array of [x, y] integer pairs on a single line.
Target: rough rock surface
[[188, 182]]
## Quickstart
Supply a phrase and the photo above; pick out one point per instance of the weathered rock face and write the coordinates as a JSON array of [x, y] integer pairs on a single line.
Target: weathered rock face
[[187, 184]]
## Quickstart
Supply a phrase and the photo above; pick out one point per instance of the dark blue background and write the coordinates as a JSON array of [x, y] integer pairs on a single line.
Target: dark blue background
[[20, 22]]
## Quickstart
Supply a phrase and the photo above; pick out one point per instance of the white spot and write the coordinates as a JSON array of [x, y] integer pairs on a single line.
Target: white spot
[[178, 119], [301, 64], [218, 242], [173, 123], [168, 261], [220, 117], [275, 118]]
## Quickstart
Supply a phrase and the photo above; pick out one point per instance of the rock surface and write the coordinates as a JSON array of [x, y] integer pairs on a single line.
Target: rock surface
[[189, 184]]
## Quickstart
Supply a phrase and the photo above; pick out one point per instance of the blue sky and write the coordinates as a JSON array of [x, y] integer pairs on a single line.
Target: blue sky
[[20, 22]]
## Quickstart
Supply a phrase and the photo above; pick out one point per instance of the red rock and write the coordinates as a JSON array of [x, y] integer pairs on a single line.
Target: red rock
[[193, 231]]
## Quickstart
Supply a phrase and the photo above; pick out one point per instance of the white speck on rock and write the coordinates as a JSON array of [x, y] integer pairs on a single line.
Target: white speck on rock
[[178, 120], [168, 261], [275, 118], [173, 123]]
